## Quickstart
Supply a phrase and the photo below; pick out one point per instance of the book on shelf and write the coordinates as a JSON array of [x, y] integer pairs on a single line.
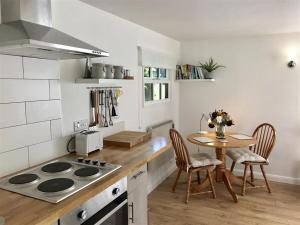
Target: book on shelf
[[189, 72]]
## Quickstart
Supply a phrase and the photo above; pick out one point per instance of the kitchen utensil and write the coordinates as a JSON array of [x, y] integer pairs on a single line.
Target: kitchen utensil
[[109, 110], [105, 109], [98, 70], [97, 107], [92, 107], [113, 110], [118, 72], [101, 123], [88, 70], [109, 71]]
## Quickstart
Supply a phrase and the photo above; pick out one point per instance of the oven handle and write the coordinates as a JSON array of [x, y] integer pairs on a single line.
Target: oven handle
[[111, 212]]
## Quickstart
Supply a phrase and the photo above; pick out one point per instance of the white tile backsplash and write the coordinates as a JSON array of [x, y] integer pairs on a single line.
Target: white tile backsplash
[[55, 92], [15, 90], [46, 151], [40, 68], [56, 129], [11, 66], [30, 112], [25, 135], [43, 110], [13, 161], [12, 114]]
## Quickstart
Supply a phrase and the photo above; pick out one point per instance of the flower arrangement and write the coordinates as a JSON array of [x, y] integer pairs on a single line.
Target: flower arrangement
[[220, 119]]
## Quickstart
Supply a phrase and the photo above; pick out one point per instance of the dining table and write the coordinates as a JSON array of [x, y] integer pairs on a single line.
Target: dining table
[[221, 174]]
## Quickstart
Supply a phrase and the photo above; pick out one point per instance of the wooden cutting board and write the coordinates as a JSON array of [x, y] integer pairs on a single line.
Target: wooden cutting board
[[127, 139]]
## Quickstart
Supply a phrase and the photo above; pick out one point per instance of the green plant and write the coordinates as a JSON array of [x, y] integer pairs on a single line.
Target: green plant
[[210, 65]]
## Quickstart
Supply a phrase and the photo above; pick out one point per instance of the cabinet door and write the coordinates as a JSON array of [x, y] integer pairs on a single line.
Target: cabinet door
[[137, 197]]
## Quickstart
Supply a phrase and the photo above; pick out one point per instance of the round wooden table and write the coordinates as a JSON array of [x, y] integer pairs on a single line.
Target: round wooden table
[[221, 174]]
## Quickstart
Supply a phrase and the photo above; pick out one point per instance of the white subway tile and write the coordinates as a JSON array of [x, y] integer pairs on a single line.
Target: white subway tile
[[55, 92], [46, 151], [21, 136], [11, 66], [56, 129], [43, 110], [14, 90], [13, 161], [12, 114], [40, 68]]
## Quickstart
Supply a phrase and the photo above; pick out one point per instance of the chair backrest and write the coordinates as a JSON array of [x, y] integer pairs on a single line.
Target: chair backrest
[[265, 135], [182, 155]]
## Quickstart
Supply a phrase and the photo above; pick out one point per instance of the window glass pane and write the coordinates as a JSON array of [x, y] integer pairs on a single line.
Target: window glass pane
[[148, 92], [164, 91], [154, 72], [162, 73], [156, 91], [146, 71]]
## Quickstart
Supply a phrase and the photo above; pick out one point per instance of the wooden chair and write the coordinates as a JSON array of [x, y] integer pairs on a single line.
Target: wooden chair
[[265, 135], [191, 164]]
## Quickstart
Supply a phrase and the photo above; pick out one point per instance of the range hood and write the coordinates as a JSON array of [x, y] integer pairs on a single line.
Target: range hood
[[26, 30]]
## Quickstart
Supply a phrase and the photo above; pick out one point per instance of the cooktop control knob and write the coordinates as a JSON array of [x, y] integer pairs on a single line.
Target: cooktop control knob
[[95, 162], [103, 163], [82, 215], [80, 160], [87, 161], [115, 191]]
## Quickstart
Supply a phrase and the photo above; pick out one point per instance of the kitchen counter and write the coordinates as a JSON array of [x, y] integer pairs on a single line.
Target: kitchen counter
[[21, 210]]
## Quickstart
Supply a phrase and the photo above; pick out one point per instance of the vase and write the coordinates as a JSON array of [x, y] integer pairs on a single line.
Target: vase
[[209, 75], [220, 131]]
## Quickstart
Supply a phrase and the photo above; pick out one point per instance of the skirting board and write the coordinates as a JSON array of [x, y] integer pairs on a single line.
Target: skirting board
[[273, 177]]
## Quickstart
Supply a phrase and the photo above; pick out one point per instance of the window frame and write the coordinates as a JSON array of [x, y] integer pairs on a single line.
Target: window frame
[[159, 81]]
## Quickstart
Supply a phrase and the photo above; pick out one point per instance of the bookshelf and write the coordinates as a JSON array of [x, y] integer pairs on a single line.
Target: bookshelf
[[190, 73]]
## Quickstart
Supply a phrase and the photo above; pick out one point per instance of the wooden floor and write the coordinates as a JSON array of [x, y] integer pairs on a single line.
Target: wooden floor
[[257, 207]]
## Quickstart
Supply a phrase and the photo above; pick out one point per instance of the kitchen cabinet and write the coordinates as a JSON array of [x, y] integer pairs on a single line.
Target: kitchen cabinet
[[137, 197]]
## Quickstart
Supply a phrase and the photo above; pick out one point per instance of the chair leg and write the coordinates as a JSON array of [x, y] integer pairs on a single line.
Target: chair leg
[[198, 177], [177, 178], [252, 175], [211, 184], [244, 180], [232, 166], [265, 177], [188, 187]]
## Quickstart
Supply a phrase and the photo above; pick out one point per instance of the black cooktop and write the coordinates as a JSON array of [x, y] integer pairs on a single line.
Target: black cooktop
[[25, 178], [56, 185], [57, 167]]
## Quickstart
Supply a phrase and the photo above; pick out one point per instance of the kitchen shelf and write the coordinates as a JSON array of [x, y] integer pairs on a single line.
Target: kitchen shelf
[[100, 81], [196, 80]]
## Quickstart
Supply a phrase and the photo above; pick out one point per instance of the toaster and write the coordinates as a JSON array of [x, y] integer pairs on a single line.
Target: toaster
[[88, 141]]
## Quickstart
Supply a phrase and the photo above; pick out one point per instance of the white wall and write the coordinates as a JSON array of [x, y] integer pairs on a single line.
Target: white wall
[[256, 86], [120, 38]]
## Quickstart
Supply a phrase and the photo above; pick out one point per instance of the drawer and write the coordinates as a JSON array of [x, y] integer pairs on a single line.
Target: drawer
[[137, 178]]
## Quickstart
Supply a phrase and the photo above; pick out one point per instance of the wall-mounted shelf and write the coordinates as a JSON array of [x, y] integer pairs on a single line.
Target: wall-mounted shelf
[[195, 80], [100, 81]]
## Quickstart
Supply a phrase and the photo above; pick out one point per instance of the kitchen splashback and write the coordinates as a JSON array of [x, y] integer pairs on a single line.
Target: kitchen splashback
[[30, 112]]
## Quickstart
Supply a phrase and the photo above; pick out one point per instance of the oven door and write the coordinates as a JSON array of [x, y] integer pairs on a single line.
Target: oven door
[[115, 213]]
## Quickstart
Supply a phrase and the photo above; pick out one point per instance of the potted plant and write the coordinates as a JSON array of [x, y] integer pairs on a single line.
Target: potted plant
[[209, 68], [220, 119]]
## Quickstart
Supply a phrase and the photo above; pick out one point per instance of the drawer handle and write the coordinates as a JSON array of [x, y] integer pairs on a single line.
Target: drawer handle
[[132, 215], [138, 174]]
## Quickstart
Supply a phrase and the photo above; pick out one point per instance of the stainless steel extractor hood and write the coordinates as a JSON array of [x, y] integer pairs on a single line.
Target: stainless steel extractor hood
[[26, 30]]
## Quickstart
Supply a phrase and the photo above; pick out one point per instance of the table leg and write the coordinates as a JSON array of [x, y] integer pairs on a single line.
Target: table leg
[[220, 169], [226, 178]]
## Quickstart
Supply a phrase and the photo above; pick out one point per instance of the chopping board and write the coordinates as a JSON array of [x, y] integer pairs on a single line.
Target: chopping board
[[127, 139]]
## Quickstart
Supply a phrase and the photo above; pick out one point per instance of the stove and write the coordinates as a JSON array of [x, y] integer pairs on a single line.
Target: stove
[[59, 179]]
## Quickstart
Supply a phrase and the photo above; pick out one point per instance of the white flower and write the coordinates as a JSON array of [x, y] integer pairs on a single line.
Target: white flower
[[219, 119]]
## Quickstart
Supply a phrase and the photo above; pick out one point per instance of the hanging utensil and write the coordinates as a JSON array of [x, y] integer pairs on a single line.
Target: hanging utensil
[[96, 107], [109, 109], [92, 108], [113, 110], [105, 109], [101, 123]]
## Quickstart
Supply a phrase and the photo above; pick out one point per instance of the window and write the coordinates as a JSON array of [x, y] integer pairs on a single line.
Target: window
[[156, 85]]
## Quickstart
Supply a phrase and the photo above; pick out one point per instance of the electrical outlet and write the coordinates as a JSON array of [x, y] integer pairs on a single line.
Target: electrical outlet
[[81, 125]]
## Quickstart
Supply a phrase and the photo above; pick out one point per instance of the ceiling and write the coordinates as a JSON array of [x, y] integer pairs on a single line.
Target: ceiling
[[198, 19]]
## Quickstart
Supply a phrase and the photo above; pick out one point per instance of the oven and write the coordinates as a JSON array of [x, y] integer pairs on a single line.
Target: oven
[[109, 207]]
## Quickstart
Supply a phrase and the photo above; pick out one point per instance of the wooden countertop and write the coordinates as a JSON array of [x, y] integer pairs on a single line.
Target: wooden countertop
[[21, 210]]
